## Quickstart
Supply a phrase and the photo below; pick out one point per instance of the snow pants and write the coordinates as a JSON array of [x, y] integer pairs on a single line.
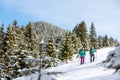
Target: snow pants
[[92, 57], [82, 60]]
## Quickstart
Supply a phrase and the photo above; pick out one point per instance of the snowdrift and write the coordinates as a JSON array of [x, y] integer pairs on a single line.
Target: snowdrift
[[113, 59]]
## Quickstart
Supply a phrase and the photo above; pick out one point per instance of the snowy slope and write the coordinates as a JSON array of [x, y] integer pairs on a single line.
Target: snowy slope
[[89, 71], [74, 71]]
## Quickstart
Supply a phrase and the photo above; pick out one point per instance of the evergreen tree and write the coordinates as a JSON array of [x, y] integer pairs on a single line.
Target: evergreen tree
[[32, 48], [8, 52], [100, 42], [1, 46], [51, 53], [76, 43], [66, 49], [26, 51], [15, 23], [116, 42], [106, 41], [58, 42], [19, 52], [86, 45], [2, 34], [31, 39], [11, 47], [13, 39], [81, 31], [111, 42], [76, 30], [93, 36], [17, 35]]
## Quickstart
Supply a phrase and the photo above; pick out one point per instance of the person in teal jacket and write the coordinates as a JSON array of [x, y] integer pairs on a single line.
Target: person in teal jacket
[[82, 56], [92, 54]]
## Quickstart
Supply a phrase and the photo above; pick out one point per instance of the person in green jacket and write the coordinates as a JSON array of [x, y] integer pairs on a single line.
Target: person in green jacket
[[92, 54], [82, 56]]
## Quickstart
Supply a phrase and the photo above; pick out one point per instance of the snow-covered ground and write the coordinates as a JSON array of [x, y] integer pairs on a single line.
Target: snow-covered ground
[[74, 71], [89, 71]]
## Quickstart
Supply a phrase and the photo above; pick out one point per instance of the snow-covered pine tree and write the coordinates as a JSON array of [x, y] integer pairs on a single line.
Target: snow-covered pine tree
[[66, 51], [76, 43], [26, 59], [113, 60], [111, 41], [18, 35], [1, 45], [93, 36], [12, 43], [87, 44], [19, 53], [79, 43], [51, 56], [100, 41], [31, 38], [2, 34], [116, 42], [106, 41], [32, 48], [81, 31], [9, 46], [58, 42], [15, 23], [14, 61]]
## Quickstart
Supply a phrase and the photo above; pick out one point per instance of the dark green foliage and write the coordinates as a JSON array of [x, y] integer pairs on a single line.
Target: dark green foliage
[[100, 42], [105, 41], [2, 49], [2, 34], [51, 53], [32, 47], [66, 49], [10, 46], [30, 38], [51, 48], [93, 36], [58, 42], [15, 23], [76, 43], [17, 50], [81, 32]]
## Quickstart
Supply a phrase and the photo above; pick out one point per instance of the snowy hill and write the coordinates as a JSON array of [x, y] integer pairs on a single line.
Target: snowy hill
[[45, 29], [74, 71]]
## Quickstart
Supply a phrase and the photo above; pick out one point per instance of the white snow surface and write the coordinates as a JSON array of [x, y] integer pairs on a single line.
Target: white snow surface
[[74, 71], [115, 60]]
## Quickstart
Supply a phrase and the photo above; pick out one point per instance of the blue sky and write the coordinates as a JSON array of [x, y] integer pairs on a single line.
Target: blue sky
[[65, 13]]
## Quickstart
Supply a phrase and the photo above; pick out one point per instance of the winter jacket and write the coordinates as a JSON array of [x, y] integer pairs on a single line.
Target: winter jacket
[[92, 51], [82, 53]]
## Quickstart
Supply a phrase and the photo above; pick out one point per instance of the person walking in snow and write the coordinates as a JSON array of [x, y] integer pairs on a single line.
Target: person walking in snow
[[92, 54], [82, 56]]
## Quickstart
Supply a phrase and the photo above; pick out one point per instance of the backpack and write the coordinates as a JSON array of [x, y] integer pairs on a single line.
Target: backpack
[[82, 53], [92, 51]]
